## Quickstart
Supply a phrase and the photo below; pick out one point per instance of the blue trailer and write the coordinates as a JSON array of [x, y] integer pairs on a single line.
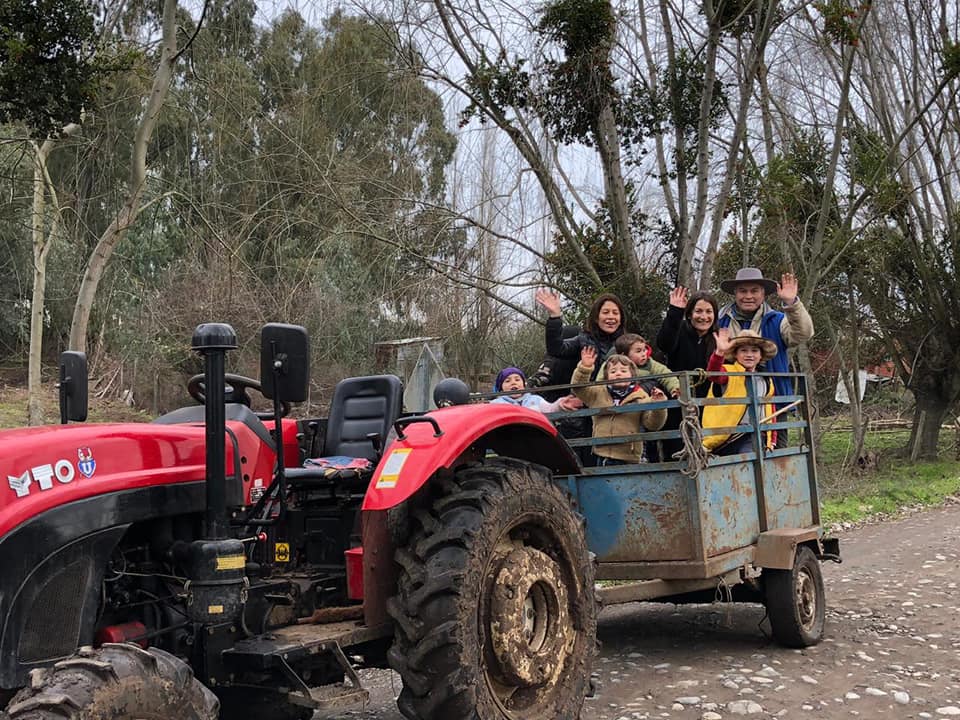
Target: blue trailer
[[738, 527]]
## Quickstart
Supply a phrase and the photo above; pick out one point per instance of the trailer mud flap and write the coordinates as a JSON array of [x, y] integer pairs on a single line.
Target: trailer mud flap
[[776, 548]]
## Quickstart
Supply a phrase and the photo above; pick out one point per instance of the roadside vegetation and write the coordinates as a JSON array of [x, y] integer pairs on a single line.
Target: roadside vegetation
[[892, 483]]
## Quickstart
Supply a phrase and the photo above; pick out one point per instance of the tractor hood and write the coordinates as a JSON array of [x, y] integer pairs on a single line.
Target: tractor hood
[[45, 467]]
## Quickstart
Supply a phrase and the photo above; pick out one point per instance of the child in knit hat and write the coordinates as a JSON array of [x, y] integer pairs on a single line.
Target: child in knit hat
[[513, 379]]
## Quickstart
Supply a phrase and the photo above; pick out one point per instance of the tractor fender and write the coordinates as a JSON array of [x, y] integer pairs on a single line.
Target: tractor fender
[[437, 440]]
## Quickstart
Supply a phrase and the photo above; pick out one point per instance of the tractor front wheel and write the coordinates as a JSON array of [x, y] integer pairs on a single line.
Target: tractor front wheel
[[495, 617], [114, 682]]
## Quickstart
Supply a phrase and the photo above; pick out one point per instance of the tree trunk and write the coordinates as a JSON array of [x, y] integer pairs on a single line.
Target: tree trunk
[[608, 144], [41, 248], [927, 418], [127, 215], [42, 242]]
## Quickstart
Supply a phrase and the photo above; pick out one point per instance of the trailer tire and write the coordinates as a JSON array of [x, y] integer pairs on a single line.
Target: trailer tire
[[113, 682], [496, 616], [796, 601]]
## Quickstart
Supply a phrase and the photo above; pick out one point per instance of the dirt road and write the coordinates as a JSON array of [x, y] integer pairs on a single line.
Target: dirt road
[[892, 647]]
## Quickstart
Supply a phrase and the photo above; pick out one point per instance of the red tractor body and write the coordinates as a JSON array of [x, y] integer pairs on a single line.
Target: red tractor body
[[271, 581]]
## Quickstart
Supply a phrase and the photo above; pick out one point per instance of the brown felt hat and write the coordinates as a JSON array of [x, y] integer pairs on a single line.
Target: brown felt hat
[[768, 348], [749, 275]]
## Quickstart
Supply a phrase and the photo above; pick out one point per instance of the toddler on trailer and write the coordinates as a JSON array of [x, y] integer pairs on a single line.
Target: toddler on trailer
[[513, 380], [626, 391]]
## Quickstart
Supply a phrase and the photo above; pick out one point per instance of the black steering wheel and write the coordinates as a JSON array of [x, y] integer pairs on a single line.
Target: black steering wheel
[[235, 392]]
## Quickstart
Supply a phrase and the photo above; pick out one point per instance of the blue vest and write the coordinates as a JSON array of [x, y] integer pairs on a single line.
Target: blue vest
[[770, 329]]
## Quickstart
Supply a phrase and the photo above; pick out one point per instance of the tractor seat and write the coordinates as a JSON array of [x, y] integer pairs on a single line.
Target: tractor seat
[[362, 413]]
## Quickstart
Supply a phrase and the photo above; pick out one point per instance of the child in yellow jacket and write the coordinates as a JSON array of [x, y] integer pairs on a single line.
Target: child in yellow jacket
[[617, 367], [743, 354]]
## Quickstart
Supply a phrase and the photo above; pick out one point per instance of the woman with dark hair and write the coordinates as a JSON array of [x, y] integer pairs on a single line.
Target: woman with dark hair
[[603, 326], [686, 339], [686, 335]]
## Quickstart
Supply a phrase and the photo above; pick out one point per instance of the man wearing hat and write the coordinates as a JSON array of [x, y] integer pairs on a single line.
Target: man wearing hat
[[750, 310]]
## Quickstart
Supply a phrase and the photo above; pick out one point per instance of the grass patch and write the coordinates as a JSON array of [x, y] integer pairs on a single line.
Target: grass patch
[[887, 491], [13, 408], [848, 495]]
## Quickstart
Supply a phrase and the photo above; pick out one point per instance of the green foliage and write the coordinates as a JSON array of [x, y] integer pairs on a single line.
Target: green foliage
[[871, 167], [48, 71], [675, 105], [951, 59], [737, 17], [578, 87], [579, 26], [840, 19], [787, 199], [498, 86]]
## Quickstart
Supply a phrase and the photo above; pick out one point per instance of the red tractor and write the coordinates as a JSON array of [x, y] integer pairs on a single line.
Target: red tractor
[[203, 565]]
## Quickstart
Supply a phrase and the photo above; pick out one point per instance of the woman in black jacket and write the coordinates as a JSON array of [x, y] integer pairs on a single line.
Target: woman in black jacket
[[686, 335], [686, 339], [604, 325]]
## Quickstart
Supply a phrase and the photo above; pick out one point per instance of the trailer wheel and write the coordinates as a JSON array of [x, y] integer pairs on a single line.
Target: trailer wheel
[[116, 681], [495, 617], [796, 602]]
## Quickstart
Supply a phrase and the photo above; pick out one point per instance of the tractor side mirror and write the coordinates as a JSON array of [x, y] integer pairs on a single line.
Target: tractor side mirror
[[73, 386], [284, 362]]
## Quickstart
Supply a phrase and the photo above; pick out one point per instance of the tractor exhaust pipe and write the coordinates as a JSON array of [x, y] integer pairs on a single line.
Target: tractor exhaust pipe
[[212, 341], [217, 584]]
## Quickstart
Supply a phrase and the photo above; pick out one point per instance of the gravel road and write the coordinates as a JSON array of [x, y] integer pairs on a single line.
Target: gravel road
[[892, 647]]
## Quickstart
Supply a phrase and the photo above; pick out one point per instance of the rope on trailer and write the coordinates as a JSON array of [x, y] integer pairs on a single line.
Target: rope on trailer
[[693, 451]]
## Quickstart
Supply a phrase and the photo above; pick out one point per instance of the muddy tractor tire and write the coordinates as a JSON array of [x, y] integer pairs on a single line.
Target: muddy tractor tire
[[796, 601], [113, 682], [496, 615]]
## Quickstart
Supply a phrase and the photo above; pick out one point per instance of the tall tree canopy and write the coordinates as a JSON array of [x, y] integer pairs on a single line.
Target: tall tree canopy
[[48, 67]]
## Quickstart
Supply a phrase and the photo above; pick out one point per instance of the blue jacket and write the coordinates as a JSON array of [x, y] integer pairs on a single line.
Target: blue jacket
[[784, 329]]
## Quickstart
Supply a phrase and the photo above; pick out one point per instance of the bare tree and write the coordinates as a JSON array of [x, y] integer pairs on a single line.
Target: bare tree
[[42, 239], [136, 184]]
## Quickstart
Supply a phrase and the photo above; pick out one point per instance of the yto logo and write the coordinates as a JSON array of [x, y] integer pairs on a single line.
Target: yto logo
[[85, 463], [43, 476]]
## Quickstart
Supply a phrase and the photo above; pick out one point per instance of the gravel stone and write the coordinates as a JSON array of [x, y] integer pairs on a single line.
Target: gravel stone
[[744, 707]]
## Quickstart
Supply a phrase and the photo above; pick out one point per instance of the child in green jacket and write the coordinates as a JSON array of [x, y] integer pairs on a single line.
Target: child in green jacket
[[636, 348]]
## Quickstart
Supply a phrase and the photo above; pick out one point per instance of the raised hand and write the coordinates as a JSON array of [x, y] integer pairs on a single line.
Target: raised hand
[[549, 300], [657, 394], [787, 288], [570, 402], [678, 297], [588, 356], [722, 336]]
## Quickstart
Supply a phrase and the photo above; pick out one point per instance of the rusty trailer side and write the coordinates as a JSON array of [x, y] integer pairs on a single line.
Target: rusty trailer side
[[662, 522]]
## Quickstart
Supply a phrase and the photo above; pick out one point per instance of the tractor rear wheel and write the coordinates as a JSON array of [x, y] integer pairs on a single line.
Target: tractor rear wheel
[[495, 617], [113, 682]]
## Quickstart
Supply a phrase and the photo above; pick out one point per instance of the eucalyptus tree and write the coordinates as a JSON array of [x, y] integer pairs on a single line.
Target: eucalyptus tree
[[299, 159]]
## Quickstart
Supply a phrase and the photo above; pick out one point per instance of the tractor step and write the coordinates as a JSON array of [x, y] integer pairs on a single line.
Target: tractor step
[[330, 700], [288, 643], [281, 649]]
